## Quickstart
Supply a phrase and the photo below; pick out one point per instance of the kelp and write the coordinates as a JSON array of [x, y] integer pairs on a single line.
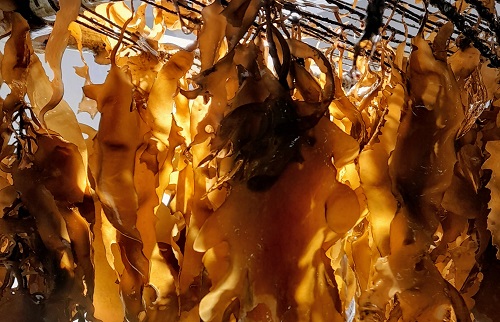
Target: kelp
[[249, 176]]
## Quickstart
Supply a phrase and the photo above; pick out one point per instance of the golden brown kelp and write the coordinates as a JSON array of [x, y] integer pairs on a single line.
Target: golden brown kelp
[[254, 175]]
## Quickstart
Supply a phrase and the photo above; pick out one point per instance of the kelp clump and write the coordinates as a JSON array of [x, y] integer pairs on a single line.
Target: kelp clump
[[247, 177]]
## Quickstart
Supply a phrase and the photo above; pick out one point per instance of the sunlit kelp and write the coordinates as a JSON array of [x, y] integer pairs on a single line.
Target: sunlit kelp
[[238, 179]]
